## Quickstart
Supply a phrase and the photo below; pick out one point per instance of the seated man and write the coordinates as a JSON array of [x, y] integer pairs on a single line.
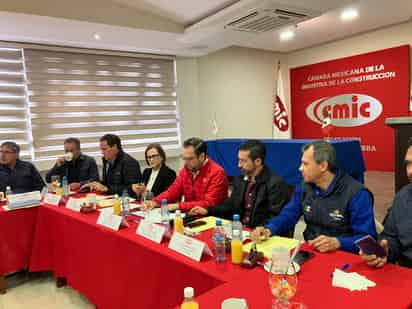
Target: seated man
[[20, 176], [79, 170], [337, 209], [201, 182], [120, 170], [258, 194], [396, 237]]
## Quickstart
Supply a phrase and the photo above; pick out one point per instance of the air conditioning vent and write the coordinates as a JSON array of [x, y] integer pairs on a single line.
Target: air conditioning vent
[[266, 20]]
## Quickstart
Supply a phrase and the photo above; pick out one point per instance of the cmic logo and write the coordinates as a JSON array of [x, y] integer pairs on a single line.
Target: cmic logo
[[345, 110]]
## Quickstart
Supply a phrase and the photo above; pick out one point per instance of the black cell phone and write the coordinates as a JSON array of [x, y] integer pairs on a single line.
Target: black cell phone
[[302, 256], [370, 246], [187, 219], [196, 223]]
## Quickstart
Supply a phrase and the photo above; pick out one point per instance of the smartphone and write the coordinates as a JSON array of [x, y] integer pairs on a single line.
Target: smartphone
[[370, 246], [302, 256], [196, 223]]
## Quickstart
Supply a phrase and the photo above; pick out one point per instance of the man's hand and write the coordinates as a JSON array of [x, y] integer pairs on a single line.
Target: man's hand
[[173, 206], [260, 233], [373, 260], [324, 243], [139, 188], [95, 186], [198, 211], [60, 161], [74, 186]]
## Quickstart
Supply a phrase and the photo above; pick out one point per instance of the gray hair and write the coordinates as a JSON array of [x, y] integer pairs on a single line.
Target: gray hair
[[12, 145], [323, 151]]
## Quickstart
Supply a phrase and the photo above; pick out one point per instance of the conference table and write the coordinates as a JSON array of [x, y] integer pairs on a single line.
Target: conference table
[[120, 269], [284, 156]]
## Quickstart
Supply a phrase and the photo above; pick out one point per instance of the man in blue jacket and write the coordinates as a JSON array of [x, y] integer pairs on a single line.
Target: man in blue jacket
[[337, 209]]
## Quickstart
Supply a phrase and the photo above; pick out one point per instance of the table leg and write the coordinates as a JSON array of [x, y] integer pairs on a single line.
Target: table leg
[[2, 285], [61, 282]]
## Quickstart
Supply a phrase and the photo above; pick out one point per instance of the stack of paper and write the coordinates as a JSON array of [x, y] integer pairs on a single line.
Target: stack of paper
[[351, 281]]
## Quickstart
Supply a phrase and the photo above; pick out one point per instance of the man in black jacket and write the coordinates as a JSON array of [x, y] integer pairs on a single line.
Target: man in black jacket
[[120, 170], [258, 194]]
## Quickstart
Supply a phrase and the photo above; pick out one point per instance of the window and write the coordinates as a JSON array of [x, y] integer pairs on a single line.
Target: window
[[14, 110], [88, 95]]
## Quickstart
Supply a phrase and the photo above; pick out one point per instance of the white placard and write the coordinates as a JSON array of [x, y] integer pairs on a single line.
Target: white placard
[[151, 231], [24, 197], [52, 199], [189, 246], [109, 220], [74, 204]]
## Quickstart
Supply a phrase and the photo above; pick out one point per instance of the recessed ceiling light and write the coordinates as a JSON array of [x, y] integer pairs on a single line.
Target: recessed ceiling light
[[97, 36], [349, 14], [287, 35]]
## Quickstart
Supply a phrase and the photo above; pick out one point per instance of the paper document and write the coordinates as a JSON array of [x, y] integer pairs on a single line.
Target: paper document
[[267, 246]]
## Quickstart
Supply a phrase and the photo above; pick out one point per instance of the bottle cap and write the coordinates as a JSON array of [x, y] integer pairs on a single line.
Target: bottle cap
[[189, 292], [236, 217], [218, 222]]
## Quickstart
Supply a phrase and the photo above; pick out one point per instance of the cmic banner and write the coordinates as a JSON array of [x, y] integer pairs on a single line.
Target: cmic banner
[[358, 93]]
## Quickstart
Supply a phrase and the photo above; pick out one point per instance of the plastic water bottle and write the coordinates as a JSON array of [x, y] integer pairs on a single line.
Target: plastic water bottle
[[65, 186], [219, 242], [125, 203], [236, 244], [164, 213], [8, 192]]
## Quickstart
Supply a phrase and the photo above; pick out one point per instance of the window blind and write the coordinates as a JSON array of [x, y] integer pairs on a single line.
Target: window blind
[[85, 96], [14, 109]]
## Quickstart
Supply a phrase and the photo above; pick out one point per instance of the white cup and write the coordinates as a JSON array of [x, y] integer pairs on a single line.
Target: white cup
[[234, 303], [68, 156], [91, 200]]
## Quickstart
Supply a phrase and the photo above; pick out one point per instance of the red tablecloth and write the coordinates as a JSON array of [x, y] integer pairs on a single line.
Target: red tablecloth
[[118, 269], [122, 270], [16, 238], [393, 289]]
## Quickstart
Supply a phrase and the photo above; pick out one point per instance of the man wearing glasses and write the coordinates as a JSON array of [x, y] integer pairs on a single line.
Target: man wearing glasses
[[20, 176], [201, 182]]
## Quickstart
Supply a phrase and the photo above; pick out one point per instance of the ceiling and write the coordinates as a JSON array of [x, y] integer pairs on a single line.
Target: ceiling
[[185, 27]]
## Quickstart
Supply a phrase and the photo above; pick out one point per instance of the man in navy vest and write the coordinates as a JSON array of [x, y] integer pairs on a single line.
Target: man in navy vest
[[396, 237], [337, 209]]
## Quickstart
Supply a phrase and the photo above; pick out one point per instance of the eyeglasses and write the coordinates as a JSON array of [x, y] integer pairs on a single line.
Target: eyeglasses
[[7, 152], [156, 156]]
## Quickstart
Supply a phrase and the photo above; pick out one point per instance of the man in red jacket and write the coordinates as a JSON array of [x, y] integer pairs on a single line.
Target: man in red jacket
[[202, 182]]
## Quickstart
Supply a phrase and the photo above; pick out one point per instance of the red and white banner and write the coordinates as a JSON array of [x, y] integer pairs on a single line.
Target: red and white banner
[[281, 126], [358, 93]]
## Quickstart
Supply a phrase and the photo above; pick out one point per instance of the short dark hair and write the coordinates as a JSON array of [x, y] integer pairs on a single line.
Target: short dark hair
[[72, 140], [256, 148], [159, 150], [111, 140], [323, 151], [12, 145], [409, 143], [198, 144]]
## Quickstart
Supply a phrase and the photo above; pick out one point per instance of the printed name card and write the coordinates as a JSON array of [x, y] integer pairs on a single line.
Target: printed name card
[[52, 199], [74, 204], [189, 247], [109, 220], [150, 230]]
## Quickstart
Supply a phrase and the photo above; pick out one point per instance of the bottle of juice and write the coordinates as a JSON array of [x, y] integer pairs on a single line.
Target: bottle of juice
[[178, 222], [117, 205], [236, 244], [189, 301]]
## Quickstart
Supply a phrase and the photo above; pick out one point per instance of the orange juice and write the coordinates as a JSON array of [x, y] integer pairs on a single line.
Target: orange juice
[[178, 224], [189, 305], [117, 206], [59, 191], [237, 251]]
